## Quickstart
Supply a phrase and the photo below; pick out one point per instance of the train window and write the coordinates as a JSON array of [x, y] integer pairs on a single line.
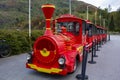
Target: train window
[[94, 30], [58, 28], [83, 27], [77, 28], [105, 31], [98, 31], [72, 27], [90, 30]]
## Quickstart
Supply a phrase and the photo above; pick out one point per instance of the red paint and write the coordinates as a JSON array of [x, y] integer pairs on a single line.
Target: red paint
[[65, 42]]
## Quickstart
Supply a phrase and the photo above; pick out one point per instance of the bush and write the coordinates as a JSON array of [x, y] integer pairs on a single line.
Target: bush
[[35, 35], [19, 40]]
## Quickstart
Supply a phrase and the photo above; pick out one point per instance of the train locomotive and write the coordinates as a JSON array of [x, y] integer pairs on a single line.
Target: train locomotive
[[61, 47]]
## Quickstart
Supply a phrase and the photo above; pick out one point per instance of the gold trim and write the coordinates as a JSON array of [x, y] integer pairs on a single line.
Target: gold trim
[[47, 19], [48, 6], [55, 70], [44, 52], [48, 28], [80, 49]]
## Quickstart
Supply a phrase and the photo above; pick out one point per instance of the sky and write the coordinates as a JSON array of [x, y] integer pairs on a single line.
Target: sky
[[115, 4]]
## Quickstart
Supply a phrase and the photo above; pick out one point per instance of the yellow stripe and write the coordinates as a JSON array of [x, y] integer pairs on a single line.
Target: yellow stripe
[[55, 70], [44, 52], [48, 6], [48, 28], [80, 49], [47, 19]]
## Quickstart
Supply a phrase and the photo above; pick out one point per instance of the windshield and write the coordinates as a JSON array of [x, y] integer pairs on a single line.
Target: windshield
[[72, 27]]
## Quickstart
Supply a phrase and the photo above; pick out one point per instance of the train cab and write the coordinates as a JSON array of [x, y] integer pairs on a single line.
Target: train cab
[[70, 25]]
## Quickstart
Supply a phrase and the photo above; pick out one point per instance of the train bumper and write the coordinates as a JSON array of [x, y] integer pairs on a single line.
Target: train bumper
[[47, 70]]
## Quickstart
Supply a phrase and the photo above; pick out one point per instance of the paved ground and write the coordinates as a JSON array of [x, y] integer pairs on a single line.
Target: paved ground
[[106, 68]]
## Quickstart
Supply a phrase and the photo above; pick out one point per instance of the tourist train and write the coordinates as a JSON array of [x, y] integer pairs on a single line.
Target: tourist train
[[61, 48]]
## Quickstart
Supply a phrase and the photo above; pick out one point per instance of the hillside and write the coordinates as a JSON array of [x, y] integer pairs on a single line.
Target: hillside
[[14, 13]]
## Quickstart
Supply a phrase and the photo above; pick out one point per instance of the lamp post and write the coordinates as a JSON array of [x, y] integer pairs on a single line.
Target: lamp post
[[109, 9], [104, 22], [29, 18], [95, 16], [69, 6], [30, 25], [100, 19], [88, 12]]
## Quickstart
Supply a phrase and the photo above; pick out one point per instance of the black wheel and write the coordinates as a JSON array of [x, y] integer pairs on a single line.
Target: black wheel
[[5, 52], [75, 66]]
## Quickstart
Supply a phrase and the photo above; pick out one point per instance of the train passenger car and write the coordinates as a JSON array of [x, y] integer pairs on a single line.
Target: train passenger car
[[60, 49], [104, 34], [92, 36], [99, 36]]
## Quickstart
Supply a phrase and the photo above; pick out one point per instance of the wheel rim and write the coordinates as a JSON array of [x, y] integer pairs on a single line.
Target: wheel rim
[[5, 53], [75, 66]]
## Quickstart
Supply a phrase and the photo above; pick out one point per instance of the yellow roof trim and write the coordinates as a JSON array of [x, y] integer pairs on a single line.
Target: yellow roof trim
[[48, 6]]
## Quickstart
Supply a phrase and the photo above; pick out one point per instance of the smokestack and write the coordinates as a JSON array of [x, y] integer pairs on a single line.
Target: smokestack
[[48, 10]]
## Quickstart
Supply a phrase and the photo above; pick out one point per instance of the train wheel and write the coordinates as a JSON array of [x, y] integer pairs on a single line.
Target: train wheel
[[75, 66], [5, 53]]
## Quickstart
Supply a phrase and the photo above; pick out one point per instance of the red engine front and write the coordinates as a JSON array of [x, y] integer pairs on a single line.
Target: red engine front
[[54, 53]]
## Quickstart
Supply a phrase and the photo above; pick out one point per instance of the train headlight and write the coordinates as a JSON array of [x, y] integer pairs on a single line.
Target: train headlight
[[28, 57], [61, 60]]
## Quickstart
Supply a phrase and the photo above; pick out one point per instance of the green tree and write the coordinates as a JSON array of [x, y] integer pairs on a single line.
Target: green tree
[[118, 20], [112, 24]]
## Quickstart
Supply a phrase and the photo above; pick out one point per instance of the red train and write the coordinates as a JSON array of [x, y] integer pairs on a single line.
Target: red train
[[60, 49]]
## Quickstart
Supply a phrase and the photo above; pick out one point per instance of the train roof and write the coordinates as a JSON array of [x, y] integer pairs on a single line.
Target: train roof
[[88, 21], [68, 17], [100, 27]]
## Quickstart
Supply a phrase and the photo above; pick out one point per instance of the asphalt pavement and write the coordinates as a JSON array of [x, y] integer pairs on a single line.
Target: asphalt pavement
[[106, 68]]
